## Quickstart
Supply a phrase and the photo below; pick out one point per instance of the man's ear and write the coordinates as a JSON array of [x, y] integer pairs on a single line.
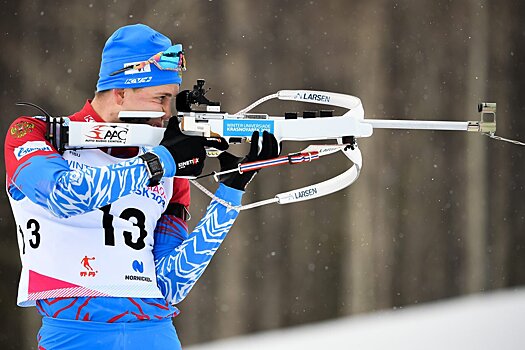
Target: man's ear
[[118, 95]]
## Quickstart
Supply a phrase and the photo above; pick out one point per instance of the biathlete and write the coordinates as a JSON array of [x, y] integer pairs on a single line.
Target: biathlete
[[102, 233]]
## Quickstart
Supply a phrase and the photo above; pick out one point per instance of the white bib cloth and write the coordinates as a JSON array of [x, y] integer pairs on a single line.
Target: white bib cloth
[[104, 252]]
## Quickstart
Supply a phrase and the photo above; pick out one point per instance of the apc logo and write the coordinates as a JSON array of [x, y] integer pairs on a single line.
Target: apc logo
[[107, 133], [138, 266]]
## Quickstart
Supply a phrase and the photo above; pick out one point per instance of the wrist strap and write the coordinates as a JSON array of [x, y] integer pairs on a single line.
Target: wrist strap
[[154, 168]]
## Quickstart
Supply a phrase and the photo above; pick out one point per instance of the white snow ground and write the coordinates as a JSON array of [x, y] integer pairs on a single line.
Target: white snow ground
[[482, 321]]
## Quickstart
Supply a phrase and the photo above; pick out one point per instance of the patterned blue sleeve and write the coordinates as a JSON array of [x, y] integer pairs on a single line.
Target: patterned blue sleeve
[[181, 259], [48, 181]]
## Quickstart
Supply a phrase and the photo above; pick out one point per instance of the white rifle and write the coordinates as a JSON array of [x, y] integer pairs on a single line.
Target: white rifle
[[238, 127]]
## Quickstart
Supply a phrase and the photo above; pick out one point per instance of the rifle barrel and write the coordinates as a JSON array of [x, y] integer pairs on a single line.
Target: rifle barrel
[[418, 124]]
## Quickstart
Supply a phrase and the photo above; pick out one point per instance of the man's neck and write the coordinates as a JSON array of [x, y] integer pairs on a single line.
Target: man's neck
[[105, 109]]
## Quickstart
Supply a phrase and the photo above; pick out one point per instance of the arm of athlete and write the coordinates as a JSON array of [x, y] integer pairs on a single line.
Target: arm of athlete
[[37, 171], [181, 258]]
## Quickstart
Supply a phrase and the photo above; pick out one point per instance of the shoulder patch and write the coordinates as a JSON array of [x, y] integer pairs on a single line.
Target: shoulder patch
[[21, 129], [30, 147]]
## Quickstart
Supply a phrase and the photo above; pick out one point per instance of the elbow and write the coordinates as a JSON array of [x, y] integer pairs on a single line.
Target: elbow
[[59, 211], [63, 206], [63, 201], [173, 288], [178, 297], [172, 296], [50, 200]]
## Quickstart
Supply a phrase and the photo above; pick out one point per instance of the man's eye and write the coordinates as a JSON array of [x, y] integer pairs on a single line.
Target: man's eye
[[163, 99]]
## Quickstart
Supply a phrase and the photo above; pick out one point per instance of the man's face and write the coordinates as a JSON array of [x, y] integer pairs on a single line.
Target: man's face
[[153, 98]]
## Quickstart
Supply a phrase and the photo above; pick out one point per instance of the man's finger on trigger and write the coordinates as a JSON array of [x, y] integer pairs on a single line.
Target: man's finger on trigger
[[254, 144], [265, 146], [269, 148], [275, 146]]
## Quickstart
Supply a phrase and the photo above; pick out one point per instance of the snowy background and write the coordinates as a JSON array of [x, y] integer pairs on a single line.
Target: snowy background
[[489, 321]]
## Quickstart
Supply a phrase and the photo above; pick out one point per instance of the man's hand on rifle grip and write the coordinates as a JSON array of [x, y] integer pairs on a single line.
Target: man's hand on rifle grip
[[189, 152], [268, 150]]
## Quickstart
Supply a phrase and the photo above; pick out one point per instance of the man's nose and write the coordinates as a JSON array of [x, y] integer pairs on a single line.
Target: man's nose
[[166, 109]]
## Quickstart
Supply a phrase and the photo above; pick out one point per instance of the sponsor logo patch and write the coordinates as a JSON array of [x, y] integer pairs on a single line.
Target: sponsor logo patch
[[21, 129], [106, 133], [144, 69], [312, 97], [89, 271], [137, 278], [30, 147], [138, 80], [138, 266], [190, 162], [240, 127], [305, 193]]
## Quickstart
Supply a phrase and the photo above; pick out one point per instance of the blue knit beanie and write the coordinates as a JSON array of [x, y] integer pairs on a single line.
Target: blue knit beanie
[[129, 45]]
